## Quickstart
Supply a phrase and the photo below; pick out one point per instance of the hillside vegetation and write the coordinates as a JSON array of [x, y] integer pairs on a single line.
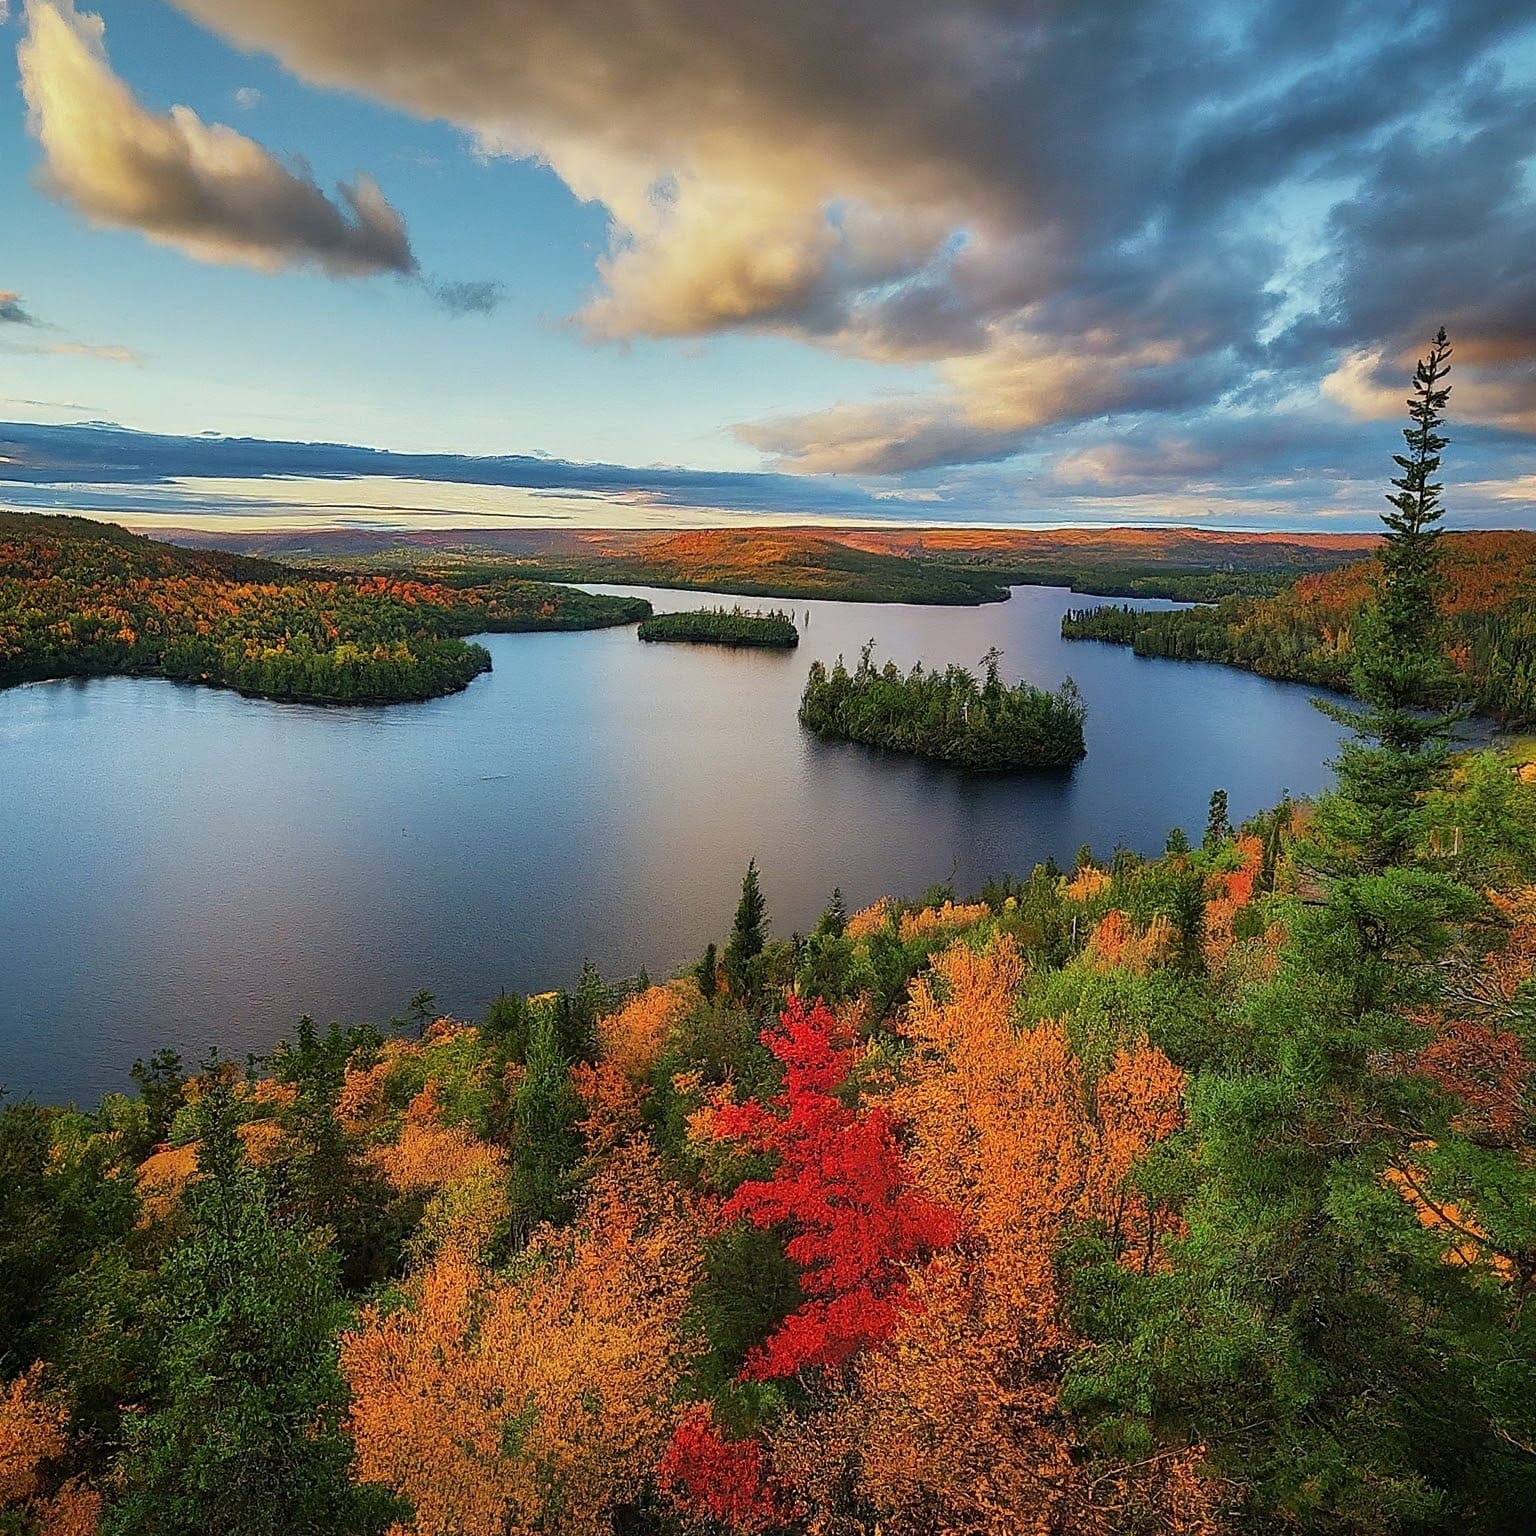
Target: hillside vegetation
[[1306, 633], [1180, 1196], [82, 598]]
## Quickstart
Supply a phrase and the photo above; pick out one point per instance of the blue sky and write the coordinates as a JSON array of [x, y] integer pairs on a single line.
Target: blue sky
[[990, 262]]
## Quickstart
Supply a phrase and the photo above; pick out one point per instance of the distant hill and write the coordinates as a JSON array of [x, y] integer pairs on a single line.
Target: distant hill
[[913, 565]]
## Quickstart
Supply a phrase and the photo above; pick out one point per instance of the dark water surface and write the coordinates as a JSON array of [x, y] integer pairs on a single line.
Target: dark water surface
[[183, 866]]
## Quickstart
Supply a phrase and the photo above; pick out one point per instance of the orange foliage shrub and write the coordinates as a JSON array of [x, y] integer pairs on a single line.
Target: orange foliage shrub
[[360, 1105], [1087, 883], [468, 1178], [870, 920], [464, 1216], [264, 1141], [75, 1510], [633, 1038], [429, 1154], [936, 920], [1240, 881], [612, 1103], [1117, 944], [502, 1405], [1218, 937], [269, 1093], [31, 1433], [162, 1177], [1230, 891]]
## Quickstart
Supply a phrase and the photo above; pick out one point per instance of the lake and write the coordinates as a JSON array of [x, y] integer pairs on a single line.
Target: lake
[[186, 867]]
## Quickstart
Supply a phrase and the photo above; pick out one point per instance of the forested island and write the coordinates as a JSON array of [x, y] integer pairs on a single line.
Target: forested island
[[1307, 632], [721, 626], [80, 598], [948, 716]]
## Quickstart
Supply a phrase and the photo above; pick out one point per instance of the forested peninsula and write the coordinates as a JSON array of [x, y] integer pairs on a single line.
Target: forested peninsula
[[81, 598], [948, 716], [1307, 632], [724, 626]]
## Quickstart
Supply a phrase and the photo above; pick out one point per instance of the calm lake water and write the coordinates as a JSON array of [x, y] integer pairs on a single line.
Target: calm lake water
[[187, 867]]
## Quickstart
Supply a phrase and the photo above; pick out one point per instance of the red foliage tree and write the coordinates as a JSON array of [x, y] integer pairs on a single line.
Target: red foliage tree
[[842, 1188], [1485, 1067], [714, 1478]]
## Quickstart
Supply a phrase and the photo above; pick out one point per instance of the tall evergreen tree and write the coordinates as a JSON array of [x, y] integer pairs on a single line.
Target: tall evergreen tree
[[748, 936], [707, 972], [1218, 827], [1400, 674], [546, 1144]]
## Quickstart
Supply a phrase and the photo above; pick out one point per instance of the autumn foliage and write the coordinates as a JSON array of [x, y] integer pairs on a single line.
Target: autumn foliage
[[632, 1038], [82, 598], [941, 1260], [710, 1476], [536, 1401], [842, 1189], [954, 1422], [33, 1433]]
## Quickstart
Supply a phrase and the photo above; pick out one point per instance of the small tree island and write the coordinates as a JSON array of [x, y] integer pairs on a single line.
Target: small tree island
[[948, 716], [720, 626]]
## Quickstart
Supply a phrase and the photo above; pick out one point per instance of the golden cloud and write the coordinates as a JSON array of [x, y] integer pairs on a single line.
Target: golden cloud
[[204, 189]]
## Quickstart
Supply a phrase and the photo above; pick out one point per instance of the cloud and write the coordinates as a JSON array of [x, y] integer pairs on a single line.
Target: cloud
[[1062, 209], [247, 97], [95, 454], [13, 312], [107, 354], [468, 298], [203, 189], [1287, 469]]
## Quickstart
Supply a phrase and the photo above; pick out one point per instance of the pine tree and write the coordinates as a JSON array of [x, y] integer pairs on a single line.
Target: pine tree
[[1218, 829], [1305, 1310], [708, 972], [1400, 673], [546, 1144], [748, 935]]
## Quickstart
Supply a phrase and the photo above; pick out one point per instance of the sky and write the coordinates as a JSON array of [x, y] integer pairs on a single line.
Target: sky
[[682, 262]]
